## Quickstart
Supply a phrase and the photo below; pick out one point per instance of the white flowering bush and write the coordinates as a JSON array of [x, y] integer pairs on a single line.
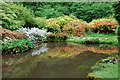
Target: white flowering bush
[[34, 34]]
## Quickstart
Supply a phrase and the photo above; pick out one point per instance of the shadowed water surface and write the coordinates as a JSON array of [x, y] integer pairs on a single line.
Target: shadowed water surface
[[55, 60]]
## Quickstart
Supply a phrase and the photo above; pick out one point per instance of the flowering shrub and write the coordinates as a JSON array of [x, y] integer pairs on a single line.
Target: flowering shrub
[[75, 27], [56, 25], [52, 25], [34, 34], [57, 37], [16, 46], [105, 25]]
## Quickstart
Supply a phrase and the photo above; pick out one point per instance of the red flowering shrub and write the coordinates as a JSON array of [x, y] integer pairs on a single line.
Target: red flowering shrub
[[75, 27], [105, 25]]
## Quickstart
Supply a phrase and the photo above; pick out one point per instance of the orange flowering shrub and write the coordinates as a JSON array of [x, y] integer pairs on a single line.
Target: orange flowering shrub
[[105, 25], [75, 27]]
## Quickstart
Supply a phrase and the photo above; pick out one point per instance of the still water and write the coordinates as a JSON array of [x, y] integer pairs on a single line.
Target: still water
[[55, 60]]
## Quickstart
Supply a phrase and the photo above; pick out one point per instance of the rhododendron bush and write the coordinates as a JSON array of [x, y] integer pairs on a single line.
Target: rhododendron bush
[[104, 25]]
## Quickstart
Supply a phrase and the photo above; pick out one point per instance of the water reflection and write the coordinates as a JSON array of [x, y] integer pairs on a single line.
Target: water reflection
[[40, 50], [58, 60]]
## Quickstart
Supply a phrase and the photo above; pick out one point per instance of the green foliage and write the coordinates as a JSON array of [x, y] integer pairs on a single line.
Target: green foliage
[[91, 10], [57, 37], [48, 9], [117, 16], [118, 34], [15, 16], [92, 34], [83, 10], [41, 22], [117, 11], [17, 46], [106, 68], [94, 40]]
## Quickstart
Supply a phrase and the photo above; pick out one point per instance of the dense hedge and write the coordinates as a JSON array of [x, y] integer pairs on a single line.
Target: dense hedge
[[117, 11], [117, 16], [83, 10], [15, 16]]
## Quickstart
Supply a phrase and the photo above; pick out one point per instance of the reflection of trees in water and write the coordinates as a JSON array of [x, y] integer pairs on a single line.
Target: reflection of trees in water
[[20, 66], [99, 48], [20, 70], [53, 45]]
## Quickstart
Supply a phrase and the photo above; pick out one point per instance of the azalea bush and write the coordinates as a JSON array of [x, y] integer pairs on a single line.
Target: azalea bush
[[56, 37], [34, 34], [16, 46], [104, 25], [75, 27], [56, 25]]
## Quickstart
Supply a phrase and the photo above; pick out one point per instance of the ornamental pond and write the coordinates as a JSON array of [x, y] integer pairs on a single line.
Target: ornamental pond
[[56, 60]]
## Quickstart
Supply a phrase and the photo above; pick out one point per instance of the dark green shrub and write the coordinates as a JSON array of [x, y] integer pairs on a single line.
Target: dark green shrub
[[117, 16], [17, 46], [91, 10], [48, 9], [118, 34], [117, 11], [15, 16], [83, 10], [57, 37]]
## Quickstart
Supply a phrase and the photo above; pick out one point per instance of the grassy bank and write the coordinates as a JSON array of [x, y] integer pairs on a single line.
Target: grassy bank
[[105, 69], [95, 38]]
